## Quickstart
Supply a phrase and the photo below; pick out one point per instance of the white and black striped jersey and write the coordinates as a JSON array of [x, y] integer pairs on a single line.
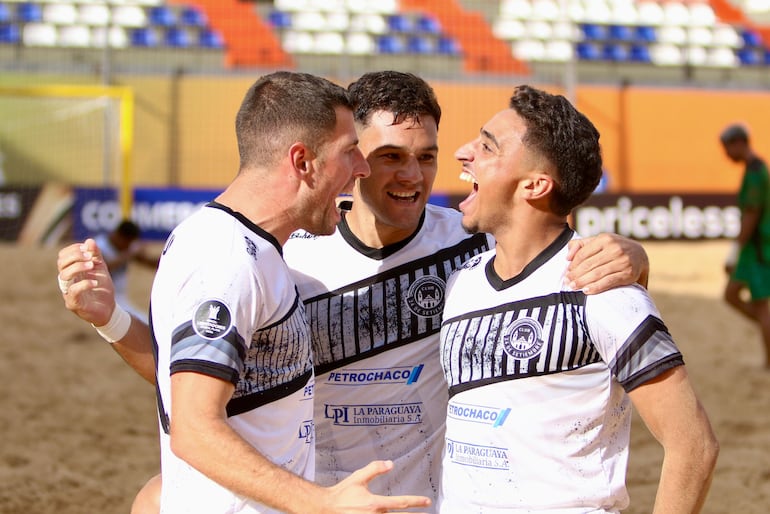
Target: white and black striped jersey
[[223, 304], [375, 316], [539, 417]]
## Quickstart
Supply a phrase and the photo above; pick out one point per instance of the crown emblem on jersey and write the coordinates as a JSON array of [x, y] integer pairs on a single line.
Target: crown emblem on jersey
[[523, 339], [212, 319]]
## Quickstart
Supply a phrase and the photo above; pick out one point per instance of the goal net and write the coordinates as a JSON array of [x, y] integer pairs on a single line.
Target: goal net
[[55, 137]]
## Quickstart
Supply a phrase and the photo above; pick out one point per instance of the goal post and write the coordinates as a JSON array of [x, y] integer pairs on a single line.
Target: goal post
[[84, 133]]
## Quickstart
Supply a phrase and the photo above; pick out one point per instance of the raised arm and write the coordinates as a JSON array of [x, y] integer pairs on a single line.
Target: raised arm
[[88, 291], [670, 409], [605, 261], [201, 436]]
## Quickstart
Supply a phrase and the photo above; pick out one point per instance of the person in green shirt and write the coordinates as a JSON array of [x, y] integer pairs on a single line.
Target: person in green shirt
[[748, 265]]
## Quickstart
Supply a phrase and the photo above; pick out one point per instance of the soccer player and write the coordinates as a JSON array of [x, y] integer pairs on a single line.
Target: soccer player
[[374, 292], [749, 263], [540, 375], [234, 368]]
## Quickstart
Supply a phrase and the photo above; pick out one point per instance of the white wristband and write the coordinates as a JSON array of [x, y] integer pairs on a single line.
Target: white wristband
[[117, 328]]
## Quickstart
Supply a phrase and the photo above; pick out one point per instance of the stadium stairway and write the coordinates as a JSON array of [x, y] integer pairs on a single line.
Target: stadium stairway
[[249, 40], [482, 51]]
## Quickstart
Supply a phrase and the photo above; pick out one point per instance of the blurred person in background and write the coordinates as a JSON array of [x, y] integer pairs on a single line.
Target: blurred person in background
[[119, 248], [748, 264]]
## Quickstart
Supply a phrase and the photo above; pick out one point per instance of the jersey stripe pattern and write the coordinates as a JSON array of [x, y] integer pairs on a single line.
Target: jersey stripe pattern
[[387, 310], [539, 414]]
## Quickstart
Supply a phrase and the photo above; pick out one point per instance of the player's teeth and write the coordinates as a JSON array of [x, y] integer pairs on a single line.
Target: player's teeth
[[466, 177], [403, 195]]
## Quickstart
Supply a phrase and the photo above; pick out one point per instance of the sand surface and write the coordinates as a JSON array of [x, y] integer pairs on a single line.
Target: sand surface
[[79, 431]]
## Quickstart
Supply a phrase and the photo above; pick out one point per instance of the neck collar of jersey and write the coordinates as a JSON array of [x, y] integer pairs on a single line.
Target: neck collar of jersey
[[373, 253], [552, 249], [264, 234]]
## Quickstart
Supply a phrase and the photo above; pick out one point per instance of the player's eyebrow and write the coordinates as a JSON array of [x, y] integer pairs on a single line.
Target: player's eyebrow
[[490, 136], [431, 148]]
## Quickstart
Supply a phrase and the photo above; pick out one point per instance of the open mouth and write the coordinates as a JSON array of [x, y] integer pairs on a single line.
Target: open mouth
[[404, 196]]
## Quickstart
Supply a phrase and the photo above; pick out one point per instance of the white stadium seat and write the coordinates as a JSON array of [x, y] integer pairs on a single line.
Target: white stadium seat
[[359, 43], [60, 14], [39, 34], [75, 36]]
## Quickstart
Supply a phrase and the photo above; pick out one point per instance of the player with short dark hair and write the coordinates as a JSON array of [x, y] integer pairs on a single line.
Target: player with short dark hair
[[541, 377]]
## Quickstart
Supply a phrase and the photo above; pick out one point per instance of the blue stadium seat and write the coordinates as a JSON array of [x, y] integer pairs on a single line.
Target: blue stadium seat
[[390, 45], [428, 25], [639, 53], [593, 32], [766, 57], [9, 34], [177, 38], [751, 38], [5, 13], [209, 38], [748, 57], [29, 12], [162, 15], [621, 33], [400, 23], [448, 46], [588, 52], [144, 37], [280, 19], [192, 17], [614, 52], [420, 45], [645, 34]]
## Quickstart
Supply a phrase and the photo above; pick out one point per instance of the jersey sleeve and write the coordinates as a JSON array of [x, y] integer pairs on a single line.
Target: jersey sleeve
[[216, 315], [628, 332]]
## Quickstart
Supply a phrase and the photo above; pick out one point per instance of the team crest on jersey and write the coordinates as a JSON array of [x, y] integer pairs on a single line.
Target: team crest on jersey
[[425, 296], [523, 339], [212, 319]]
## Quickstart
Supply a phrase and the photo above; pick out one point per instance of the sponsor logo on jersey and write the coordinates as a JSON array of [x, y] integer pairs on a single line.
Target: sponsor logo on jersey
[[523, 339], [212, 319], [478, 414], [478, 456], [307, 431], [356, 377], [425, 296], [301, 234], [373, 415]]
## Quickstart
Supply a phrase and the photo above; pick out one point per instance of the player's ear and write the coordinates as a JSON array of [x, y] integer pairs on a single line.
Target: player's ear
[[538, 185], [301, 156]]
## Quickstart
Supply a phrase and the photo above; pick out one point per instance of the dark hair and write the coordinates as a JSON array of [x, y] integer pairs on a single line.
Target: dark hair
[[566, 138], [282, 108], [128, 229], [403, 94], [734, 133]]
